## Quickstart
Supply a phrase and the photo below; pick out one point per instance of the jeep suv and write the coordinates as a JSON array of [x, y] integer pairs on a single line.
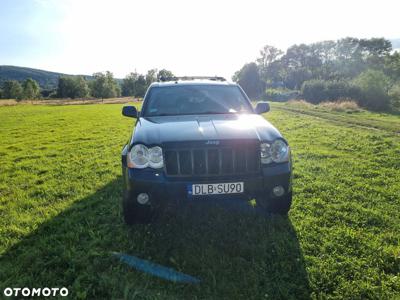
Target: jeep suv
[[200, 138]]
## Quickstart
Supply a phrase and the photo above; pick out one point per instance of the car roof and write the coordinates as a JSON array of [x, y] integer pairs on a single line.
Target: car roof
[[192, 82]]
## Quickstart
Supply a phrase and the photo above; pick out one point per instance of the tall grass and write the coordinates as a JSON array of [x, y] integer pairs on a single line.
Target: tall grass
[[342, 105]]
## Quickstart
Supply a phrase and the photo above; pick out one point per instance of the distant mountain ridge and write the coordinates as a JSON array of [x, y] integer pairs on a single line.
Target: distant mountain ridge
[[46, 79]]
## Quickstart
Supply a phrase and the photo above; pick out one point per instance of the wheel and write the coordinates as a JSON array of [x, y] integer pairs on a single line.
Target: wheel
[[135, 213], [279, 205]]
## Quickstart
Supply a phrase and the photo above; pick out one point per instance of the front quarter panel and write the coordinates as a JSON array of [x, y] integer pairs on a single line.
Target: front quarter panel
[[266, 131]]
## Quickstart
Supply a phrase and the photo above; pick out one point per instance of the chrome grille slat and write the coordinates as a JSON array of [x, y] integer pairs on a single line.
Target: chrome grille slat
[[246, 159], [191, 157], [206, 159], [233, 160], [178, 162], [220, 161]]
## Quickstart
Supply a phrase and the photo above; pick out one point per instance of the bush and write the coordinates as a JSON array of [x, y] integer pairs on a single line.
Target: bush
[[369, 90], [374, 86], [338, 90], [281, 94], [394, 95], [316, 91]]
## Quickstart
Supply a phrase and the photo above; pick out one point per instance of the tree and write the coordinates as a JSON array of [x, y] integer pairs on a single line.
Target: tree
[[326, 52], [98, 85], [151, 76], [249, 79], [81, 88], [12, 89], [349, 58], [342, 59], [269, 65], [129, 84], [164, 74], [328, 69], [300, 63], [269, 54], [379, 47], [64, 87], [392, 65], [72, 87], [31, 89], [104, 86], [394, 94], [140, 86], [374, 51], [135, 84]]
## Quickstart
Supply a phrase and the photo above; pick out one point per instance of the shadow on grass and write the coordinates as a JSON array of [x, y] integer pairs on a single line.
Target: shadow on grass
[[235, 254]]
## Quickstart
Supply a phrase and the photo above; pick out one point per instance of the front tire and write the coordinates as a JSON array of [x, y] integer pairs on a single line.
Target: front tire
[[135, 213]]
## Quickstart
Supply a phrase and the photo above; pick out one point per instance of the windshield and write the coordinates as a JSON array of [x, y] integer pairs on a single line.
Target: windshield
[[195, 99]]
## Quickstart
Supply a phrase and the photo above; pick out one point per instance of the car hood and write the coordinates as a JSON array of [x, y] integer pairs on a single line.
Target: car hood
[[198, 128]]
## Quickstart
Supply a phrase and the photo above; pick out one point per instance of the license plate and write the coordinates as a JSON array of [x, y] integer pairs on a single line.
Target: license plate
[[216, 188]]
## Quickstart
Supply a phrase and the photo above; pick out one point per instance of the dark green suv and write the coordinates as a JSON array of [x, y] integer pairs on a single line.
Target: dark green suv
[[201, 138]]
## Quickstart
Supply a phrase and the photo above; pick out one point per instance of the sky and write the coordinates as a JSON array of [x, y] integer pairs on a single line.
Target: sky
[[207, 37]]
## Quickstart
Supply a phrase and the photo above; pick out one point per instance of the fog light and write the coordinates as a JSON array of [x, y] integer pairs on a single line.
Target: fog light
[[278, 191], [143, 198]]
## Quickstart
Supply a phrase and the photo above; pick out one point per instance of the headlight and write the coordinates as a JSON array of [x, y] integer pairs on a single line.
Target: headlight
[[156, 158], [277, 152], [266, 153], [141, 157]]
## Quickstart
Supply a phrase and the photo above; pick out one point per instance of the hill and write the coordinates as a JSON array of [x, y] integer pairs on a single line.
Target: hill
[[46, 79]]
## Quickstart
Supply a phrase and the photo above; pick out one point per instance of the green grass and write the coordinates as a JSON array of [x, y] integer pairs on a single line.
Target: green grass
[[60, 218], [363, 118]]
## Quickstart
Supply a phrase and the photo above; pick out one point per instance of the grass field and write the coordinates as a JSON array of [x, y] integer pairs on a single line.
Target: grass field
[[60, 218]]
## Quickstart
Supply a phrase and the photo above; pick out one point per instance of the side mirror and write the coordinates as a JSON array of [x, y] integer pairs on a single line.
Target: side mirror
[[129, 111], [262, 107]]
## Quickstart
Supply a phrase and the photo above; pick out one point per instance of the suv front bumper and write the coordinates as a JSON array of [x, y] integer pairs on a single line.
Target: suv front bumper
[[162, 189]]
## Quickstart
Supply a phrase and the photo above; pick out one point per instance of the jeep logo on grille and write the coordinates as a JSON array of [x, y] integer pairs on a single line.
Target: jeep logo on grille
[[212, 143]]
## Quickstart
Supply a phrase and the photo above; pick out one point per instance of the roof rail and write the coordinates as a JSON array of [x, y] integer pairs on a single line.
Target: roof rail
[[175, 78]]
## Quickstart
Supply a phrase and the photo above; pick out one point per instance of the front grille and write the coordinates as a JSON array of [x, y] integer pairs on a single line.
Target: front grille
[[243, 159]]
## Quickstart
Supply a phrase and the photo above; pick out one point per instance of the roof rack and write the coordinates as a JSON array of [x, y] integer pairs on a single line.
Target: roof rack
[[174, 78]]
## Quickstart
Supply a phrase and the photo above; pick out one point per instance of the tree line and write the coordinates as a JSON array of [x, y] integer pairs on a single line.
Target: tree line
[[365, 70], [99, 85], [12, 89]]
